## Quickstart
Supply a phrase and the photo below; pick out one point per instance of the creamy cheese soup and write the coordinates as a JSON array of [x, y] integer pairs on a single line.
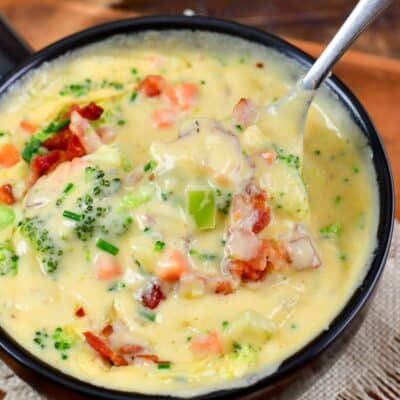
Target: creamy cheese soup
[[156, 237]]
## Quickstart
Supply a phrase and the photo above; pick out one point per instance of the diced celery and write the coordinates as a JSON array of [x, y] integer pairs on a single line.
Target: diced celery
[[139, 196], [7, 216], [200, 204]]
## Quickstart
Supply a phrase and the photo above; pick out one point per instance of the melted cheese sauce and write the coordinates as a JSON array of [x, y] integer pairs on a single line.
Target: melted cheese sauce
[[330, 199]]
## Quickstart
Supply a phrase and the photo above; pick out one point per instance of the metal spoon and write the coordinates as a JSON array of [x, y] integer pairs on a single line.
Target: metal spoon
[[285, 119]]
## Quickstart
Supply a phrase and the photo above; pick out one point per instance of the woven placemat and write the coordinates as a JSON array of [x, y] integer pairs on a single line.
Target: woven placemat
[[368, 370]]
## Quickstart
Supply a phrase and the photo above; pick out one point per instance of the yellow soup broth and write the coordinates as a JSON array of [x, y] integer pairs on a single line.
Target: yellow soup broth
[[155, 236]]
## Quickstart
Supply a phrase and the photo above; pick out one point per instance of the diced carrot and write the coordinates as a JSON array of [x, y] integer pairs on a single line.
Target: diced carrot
[[172, 265], [164, 117], [28, 126], [152, 85], [6, 195], [269, 156], [182, 96], [9, 155], [210, 343], [107, 267]]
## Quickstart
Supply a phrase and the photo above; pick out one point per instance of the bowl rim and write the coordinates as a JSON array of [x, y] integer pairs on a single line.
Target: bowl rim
[[344, 95]]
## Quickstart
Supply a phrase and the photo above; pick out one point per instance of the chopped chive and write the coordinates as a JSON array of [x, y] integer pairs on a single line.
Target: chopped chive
[[164, 365], [202, 82], [150, 166], [146, 229], [150, 316], [317, 152], [189, 339], [72, 215], [337, 199], [343, 257], [237, 346], [134, 71], [107, 247], [121, 122], [293, 326], [68, 188], [159, 245], [225, 324], [355, 169], [133, 97], [239, 127]]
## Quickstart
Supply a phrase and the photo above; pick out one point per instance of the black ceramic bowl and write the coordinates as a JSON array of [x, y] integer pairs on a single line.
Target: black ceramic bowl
[[297, 372]]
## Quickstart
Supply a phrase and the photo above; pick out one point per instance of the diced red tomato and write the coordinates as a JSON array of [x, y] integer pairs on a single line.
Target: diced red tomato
[[28, 126], [182, 96], [6, 194], [245, 112], [80, 312], [107, 267], [164, 117], [210, 343], [152, 296], [103, 349], [9, 155], [172, 265], [59, 141], [152, 85]]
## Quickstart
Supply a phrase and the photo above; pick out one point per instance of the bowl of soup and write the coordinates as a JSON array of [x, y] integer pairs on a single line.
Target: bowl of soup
[[157, 239]]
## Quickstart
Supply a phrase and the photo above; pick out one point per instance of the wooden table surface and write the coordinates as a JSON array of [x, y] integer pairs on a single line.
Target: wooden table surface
[[375, 79]]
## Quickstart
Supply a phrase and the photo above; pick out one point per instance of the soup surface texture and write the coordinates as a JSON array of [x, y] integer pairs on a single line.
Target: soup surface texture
[[155, 235]]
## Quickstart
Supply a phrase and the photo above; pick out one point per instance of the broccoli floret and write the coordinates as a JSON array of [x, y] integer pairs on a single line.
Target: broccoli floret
[[8, 259], [50, 253]]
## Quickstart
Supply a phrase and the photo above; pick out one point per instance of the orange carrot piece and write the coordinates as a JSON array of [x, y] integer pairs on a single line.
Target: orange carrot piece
[[182, 96], [28, 126], [9, 155], [163, 117], [107, 267], [172, 265], [210, 343]]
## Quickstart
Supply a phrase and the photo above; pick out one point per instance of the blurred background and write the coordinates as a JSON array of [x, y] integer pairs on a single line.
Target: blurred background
[[43, 21]]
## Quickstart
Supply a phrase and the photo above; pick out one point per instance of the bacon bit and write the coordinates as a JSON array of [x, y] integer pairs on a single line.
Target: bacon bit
[[6, 195], [277, 254], [269, 156], [44, 163], [245, 271], [258, 199], [131, 349], [150, 357], [80, 312], [28, 126], [91, 111], [75, 147], [9, 155], [223, 287], [103, 349], [152, 296], [260, 65], [58, 141], [245, 112], [152, 85], [107, 331]]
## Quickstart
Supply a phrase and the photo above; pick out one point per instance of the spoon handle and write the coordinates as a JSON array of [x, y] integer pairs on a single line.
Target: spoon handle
[[361, 16]]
